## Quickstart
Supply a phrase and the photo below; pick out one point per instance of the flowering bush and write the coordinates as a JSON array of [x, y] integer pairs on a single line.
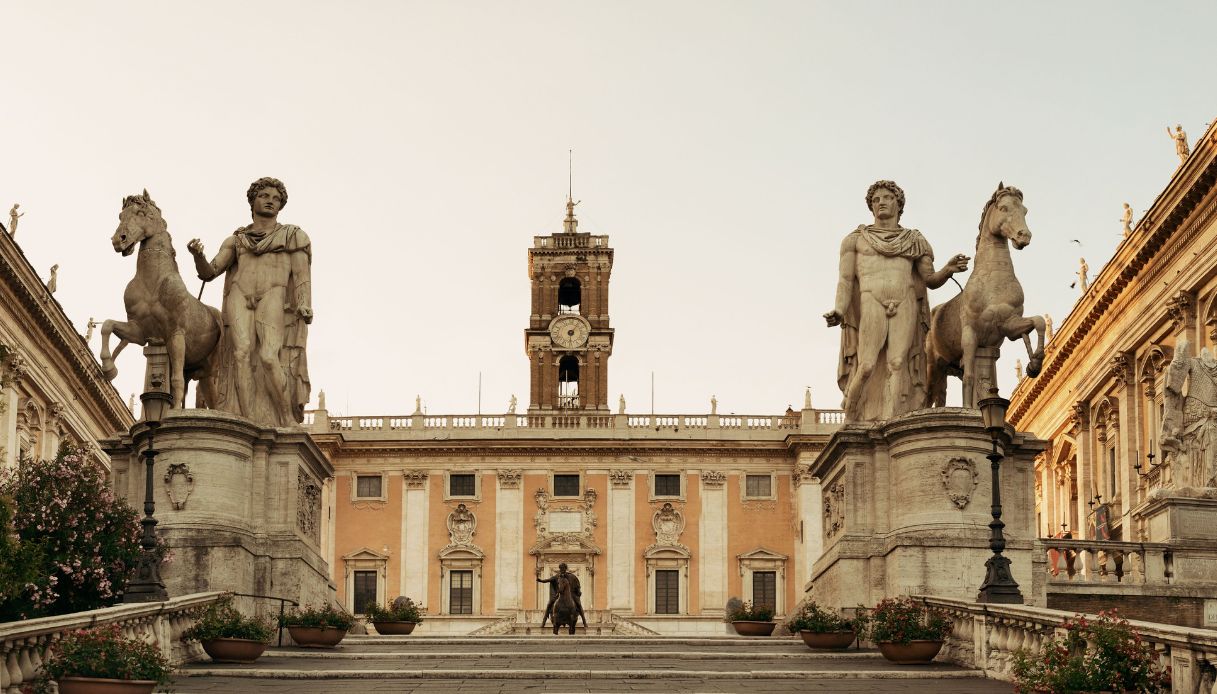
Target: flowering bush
[[324, 616], [77, 542], [403, 609], [104, 652], [223, 621], [901, 620], [811, 617], [747, 612], [1117, 660]]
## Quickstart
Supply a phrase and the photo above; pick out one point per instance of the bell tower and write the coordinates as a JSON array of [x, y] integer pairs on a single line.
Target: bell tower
[[568, 339]]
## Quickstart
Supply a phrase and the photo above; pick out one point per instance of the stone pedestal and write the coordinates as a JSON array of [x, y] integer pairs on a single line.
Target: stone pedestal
[[240, 505], [1186, 521], [906, 508]]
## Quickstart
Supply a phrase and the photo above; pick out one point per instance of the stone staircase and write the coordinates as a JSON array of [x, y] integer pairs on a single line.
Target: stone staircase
[[528, 623], [576, 663]]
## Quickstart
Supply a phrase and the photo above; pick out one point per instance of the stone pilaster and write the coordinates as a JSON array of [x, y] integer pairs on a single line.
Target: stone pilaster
[[712, 542], [509, 549], [414, 532], [810, 515], [621, 541]]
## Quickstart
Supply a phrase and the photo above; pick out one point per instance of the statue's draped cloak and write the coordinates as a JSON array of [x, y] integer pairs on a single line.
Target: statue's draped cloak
[[284, 238], [893, 243]]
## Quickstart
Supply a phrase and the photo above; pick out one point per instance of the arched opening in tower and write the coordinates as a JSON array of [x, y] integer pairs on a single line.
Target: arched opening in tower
[[569, 294], [568, 382]]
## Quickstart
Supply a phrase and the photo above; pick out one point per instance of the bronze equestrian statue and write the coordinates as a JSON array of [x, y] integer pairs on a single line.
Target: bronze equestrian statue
[[565, 600]]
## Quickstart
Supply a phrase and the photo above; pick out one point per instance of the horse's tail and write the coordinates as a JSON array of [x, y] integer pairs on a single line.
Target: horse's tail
[[210, 386]]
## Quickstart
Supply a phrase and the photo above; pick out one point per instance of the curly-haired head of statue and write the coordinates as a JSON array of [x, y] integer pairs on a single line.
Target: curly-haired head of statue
[[889, 185], [268, 182]]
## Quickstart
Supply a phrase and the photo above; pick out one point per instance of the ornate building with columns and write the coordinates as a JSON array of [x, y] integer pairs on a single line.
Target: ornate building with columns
[[51, 388], [662, 517], [1100, 402]]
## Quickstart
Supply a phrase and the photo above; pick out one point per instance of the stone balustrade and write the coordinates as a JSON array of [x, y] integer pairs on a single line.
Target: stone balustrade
[[548, 425], [987, 636], [23, 645], [1107, 561]]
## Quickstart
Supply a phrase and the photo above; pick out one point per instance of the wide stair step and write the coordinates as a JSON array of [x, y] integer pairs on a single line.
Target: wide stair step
[[602, 664]]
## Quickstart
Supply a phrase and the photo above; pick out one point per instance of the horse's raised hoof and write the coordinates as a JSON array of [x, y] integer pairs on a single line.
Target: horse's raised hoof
[[108, 369], [1034, 366]]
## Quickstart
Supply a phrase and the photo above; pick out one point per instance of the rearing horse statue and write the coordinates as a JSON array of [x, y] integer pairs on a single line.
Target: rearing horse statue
[[159, 305], [990, 307]]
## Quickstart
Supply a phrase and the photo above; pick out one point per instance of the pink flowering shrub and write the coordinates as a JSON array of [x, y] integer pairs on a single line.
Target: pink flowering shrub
[[77, 543], [1103, 654]]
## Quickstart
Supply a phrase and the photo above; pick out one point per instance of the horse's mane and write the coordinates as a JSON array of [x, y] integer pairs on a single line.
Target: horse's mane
[[1002, 189], [145, 201]]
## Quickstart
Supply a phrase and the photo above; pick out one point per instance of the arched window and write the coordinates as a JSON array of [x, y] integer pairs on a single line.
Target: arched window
[[569, 294], [568, 382]]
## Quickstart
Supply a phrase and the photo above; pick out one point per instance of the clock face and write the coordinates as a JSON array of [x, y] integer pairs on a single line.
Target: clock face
[[568, 332]]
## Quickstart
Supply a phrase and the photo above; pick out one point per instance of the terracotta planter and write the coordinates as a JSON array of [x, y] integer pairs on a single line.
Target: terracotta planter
[[830, 639], [233, 650], [744, 628], [321, 637], [98, 685], [911, 653], [395, 628]]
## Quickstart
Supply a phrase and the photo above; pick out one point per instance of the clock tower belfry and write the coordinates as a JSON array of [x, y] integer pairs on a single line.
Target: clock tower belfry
[[568, 339]]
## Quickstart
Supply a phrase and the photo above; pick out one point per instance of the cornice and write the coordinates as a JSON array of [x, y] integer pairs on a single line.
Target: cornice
[[338, 447], [1171, 223], [49, 319]]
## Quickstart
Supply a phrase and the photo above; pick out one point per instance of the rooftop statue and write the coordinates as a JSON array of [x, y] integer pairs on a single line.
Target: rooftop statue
[[1180, 139], [13, 216], [159, 307], [53, 284], [883, 311], [1047, 326], [1189, 420], [1083, 274], [1126, 219], [990, 309], [263, 368]]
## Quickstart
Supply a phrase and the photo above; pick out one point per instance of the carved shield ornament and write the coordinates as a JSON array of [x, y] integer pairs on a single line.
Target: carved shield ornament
[[959, 478], [179, 483]]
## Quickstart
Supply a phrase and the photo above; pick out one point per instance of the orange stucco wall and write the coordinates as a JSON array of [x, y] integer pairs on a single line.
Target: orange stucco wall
[[375, 525]]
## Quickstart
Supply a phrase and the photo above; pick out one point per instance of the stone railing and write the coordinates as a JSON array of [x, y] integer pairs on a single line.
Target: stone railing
[[546, 425], [570, 241], [986, 637], [1106, 561], [23, 645]]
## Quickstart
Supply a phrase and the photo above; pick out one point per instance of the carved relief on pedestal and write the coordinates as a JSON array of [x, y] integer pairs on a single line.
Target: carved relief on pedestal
[[834, 509], [959, 479], [415, 479], [308, 506], [509, 479], [179, 483], [713, 478], [461, 526], [621, 479]]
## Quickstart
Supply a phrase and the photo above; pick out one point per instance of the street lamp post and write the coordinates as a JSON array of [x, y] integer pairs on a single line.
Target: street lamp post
[[147, 585], [999, 586]]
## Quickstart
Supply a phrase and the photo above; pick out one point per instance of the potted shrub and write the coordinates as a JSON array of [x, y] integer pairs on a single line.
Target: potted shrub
[[102, 661], [751, 620], [318, 626], [400, 618], [229, 636], [906, 631], [820, 628], [1117, 660]]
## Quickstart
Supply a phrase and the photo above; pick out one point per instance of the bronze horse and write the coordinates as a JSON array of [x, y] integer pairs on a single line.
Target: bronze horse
[[565, 612], [990, 307], [158, 304]]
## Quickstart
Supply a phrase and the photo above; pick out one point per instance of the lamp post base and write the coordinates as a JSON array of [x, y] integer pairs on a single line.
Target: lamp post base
[[147, 586], [999, 586]]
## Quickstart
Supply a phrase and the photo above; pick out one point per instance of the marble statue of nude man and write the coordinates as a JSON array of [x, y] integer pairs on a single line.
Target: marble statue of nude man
[[882, 308]]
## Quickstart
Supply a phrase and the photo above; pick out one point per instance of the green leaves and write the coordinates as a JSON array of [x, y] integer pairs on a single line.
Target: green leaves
[[223, 621]]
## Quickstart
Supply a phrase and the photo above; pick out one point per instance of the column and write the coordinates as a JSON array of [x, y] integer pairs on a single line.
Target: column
[[414, 530], [508, 545], [1081, 420], [712, 542], [621, 561]]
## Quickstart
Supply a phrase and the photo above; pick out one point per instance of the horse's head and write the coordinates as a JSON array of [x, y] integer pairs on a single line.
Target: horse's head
[[139, 219], [1006, 216]]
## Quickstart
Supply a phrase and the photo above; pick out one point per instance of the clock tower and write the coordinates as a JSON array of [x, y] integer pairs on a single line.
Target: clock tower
[[568, 339]]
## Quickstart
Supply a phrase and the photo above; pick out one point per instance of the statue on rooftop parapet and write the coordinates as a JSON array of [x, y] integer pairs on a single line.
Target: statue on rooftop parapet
[[89, 328], [1180, 139], [1083, 274], [1189, 420], [13, 216], [1126, 220], [1048, 326], [53, 283], [267, 308], [883, 311]]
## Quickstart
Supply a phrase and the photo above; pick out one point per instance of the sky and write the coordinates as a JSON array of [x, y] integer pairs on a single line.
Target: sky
[[724, 147]]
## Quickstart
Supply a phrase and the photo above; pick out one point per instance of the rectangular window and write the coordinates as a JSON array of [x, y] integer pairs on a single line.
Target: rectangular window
[[759, 485], [460, 597], [667, 485], [764, 589], [367, 486], [566, 485], [365, 590], [667, 592], [1111, 473], [461, 485]]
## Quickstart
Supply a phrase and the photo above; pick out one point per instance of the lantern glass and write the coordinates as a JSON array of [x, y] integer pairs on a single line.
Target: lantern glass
[[993, 412], [156, 404]]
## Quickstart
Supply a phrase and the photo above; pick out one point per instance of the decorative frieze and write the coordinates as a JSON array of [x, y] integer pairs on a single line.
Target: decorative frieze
[[834, 509], [621, 479], [509, 479], [415, 479], [713, 478]]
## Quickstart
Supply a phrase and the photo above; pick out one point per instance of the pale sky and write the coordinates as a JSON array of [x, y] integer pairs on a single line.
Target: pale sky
[[724, 147]]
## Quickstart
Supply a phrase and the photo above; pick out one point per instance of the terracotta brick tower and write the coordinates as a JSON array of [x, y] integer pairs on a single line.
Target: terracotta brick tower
[[568, 339]]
